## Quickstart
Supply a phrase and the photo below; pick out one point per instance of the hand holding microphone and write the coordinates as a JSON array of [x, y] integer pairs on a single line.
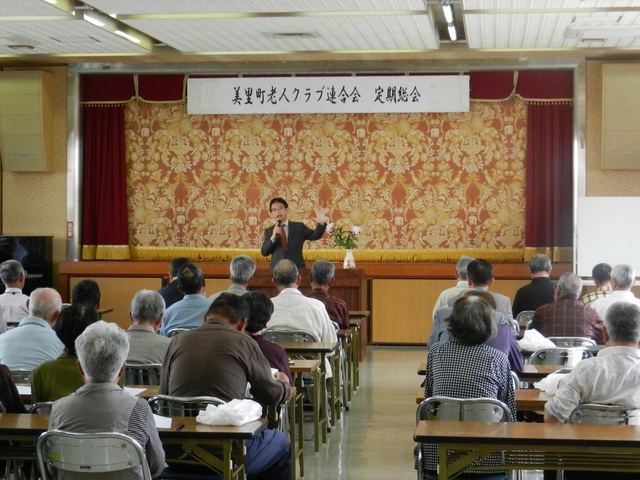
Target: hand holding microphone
[[279, 226]]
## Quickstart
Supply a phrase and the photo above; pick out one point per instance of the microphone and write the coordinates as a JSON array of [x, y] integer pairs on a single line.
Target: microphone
[[277, 234]]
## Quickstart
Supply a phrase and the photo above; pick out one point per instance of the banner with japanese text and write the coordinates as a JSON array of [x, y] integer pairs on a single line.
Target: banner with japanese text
[[361, 94]]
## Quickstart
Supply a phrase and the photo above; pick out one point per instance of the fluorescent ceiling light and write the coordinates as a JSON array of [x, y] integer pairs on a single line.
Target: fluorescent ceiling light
[[453, 35], [447, 10], [131, 38], [93, 20]]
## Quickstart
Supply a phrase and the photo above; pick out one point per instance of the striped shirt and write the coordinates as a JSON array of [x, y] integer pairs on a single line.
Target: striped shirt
[[187, 313]]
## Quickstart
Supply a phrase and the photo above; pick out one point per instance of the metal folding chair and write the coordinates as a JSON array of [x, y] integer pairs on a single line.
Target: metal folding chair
[[565, 356], [142, 374], [568, 342], [89, 453], [459, 410]]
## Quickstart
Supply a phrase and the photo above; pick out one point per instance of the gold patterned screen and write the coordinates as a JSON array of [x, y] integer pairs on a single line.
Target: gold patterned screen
[[413, 182]]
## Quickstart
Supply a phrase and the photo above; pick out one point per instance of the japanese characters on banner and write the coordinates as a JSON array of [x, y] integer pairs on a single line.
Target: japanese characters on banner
[[374, 94]]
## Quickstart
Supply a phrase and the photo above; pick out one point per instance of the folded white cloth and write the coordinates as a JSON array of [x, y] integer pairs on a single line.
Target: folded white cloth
[[235, 412]]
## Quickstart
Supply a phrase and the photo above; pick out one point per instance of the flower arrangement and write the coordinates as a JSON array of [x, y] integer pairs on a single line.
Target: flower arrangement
[[342, 238]]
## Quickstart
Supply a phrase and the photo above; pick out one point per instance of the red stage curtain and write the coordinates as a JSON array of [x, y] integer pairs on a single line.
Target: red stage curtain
[[549, 191], [104, 187]]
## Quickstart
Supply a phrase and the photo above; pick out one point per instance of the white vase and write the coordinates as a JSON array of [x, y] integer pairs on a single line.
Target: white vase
[[349, 261]]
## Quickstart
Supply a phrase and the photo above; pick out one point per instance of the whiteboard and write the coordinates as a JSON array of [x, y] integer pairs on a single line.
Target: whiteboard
[[608, 231]]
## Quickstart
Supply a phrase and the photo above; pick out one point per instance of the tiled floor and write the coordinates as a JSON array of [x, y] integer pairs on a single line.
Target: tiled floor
[[373, 441]]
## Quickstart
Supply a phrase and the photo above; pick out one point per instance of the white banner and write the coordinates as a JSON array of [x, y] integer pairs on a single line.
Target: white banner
[[384, 94]]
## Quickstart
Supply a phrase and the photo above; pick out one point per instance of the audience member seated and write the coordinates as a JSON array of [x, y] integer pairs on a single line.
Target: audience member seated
[[13, 303], [9, 395], [60, 377], [218, 359], [322, 276], [188, 312], [260, 310], [611, 378], [567, 316], [622, 279], [145, 345], [450, 294], [293, 311], [241, 269], [87, 292], [539, 291], [33, 341], [601, 274], [480, 277], [101, 405], [504, 340], [466, 367], [170, 292]]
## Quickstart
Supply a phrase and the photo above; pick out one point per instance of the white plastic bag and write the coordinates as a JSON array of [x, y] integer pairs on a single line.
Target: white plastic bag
[[549, 384], [533, 340], [235, 412]]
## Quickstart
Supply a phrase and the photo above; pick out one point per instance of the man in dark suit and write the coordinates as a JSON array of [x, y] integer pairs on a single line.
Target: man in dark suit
[[170, 291], [286, 239]]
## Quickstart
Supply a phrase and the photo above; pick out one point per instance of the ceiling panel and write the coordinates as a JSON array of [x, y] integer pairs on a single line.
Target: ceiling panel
[[162, 7], [282, 34]]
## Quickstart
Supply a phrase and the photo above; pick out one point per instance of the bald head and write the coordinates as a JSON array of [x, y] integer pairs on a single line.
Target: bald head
[[45, 303]]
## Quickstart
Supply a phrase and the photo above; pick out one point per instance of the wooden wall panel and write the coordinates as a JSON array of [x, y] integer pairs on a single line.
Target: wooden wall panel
[[401, 309], [117, 293]]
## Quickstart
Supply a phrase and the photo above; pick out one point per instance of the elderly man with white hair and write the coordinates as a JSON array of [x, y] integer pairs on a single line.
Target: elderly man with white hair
[[622, 279], [145, 345], [33, 341], [101, 405]]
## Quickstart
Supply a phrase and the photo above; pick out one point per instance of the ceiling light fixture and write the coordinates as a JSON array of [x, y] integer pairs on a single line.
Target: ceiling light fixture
[[111, 25], [447, 11], [92, 20], [131, 38]]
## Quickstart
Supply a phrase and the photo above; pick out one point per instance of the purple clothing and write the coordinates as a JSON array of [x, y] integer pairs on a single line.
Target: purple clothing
[[275, 355], [336, 307], [568, 317]]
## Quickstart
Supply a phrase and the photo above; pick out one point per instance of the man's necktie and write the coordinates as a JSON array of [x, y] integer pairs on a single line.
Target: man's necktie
[[283, 239]]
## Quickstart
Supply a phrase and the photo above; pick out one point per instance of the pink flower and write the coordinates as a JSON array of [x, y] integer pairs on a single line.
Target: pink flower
[[355, 229], [330, 226]]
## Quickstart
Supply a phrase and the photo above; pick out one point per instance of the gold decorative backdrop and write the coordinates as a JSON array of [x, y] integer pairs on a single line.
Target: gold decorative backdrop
[[413, 182]]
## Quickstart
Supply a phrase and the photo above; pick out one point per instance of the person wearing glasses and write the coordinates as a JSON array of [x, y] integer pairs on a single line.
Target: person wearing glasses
[[285, 239]]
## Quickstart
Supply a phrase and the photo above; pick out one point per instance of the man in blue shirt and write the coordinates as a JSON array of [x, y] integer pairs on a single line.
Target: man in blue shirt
[[188, 312], [33, 341]]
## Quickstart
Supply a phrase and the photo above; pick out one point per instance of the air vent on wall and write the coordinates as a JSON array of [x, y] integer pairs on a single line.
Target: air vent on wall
[[295, 35]]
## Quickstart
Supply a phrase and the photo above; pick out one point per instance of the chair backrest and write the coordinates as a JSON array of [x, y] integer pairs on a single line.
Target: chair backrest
[[463, 409], [594, 413], [142, 374], [515, 380], [568, 356], [21, 377], [175, 331], [572, 341], [275, 335], [524, 317], [171, 406], [89, 453], [2, 408], [41, 408]]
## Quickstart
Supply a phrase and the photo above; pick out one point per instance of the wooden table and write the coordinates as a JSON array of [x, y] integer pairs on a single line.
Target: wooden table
[[535, 373], [25, 428], [319, 350], [532, 446], [359, 322], [527, 399], [296, 433]]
